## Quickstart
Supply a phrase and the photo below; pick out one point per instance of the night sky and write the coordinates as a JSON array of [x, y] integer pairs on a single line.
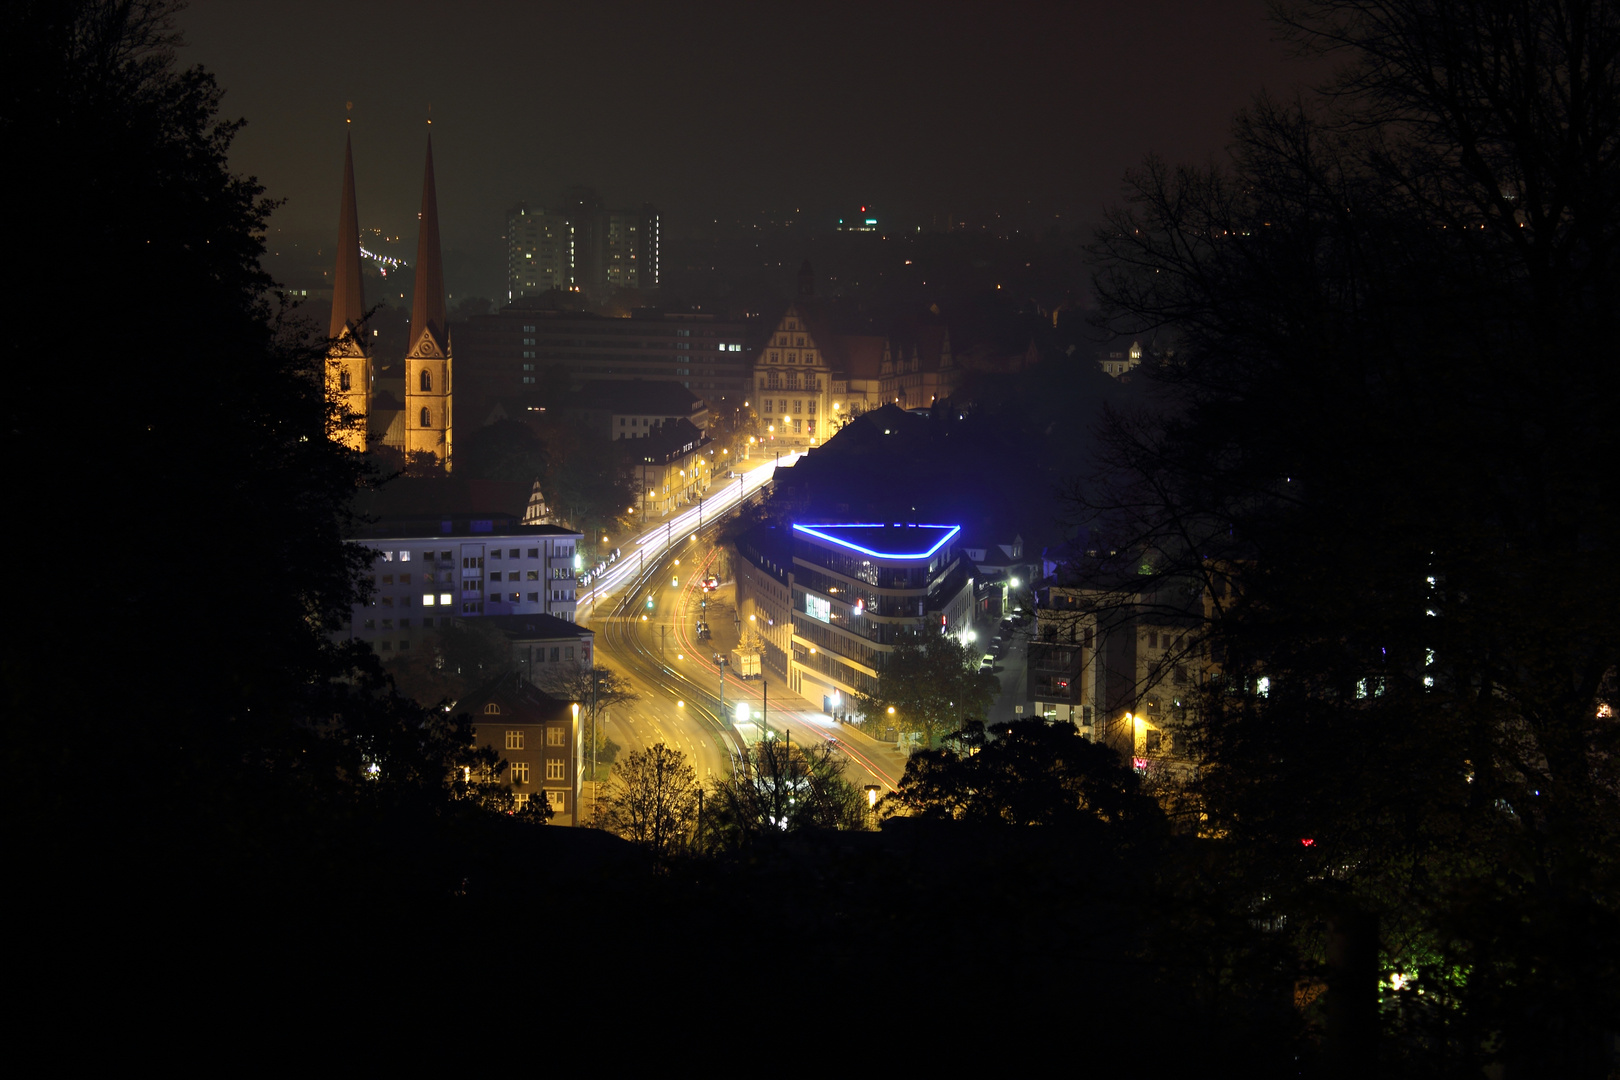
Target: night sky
[[726, 110]]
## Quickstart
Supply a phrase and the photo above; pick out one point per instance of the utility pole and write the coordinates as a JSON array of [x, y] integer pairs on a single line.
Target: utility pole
[[764, 707]]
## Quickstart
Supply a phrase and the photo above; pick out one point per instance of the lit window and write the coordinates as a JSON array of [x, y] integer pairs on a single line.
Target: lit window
[[444, 598], [514, 740]]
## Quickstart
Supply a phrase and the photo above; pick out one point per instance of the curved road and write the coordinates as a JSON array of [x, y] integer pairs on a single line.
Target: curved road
[[678, 682]]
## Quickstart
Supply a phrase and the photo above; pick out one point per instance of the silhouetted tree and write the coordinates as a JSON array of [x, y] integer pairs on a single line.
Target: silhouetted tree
[[781, 787], [1028, 772], [932, 683], [1380, 458], [654, 801]]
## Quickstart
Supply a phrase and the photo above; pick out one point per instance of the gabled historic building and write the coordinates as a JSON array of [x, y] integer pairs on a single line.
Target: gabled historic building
[[793, 375], [348, 365], [919, 371]]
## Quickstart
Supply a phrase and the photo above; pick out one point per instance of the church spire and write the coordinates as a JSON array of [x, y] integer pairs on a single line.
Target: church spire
[[427, 299], [348, 292]]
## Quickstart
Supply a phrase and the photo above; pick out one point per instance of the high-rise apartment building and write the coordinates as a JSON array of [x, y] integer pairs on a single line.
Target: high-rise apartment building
[[539, 252], [581, 247]]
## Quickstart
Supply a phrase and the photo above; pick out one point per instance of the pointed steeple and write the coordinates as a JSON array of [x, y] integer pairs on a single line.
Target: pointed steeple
[[348, 292], [427, 300]]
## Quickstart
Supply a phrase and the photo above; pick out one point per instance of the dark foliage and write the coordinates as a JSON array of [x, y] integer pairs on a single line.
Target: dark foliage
[[1382, 463]]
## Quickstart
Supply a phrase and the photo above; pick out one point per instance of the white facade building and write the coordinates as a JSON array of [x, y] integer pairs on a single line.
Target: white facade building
[[465, 570]]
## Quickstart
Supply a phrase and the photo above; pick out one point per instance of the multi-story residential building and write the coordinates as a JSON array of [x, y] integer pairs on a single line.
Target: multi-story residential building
[[855, 590], [539, 252], [546, 648], [670, 469], [1066, 679], [428, 571], [634, 409], [502, 356], [582, 247], [1121, 361], [1122, 667], [538, 736]]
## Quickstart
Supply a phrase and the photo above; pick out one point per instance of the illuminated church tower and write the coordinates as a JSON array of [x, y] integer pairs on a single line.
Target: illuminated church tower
[[348, 367], [427, 361]]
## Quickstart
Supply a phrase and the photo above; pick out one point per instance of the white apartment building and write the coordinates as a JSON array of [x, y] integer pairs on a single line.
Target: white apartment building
[[464, 568]]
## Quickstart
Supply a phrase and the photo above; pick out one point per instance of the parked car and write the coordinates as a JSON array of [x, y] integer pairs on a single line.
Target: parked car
[[988, 662]]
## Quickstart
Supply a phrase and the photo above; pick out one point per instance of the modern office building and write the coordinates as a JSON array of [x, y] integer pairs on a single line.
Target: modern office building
[[503, 356], [426, 571], [632, 410], [856, 590]]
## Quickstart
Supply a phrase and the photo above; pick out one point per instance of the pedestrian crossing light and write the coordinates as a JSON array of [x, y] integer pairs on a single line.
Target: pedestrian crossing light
[[649, 603]]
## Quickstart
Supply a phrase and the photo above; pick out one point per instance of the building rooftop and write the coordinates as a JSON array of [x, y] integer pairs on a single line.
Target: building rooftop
[[885, 541], [460, 525], [654, 397], [520, 627]]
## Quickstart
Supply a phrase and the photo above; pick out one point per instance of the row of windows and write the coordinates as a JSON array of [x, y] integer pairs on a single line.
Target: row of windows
[[473, 562], [776, 380], [555, 735], [404, 624], [556, 769], [782, 405]]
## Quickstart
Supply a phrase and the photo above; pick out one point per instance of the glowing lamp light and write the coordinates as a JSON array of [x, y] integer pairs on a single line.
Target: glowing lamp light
[[1308, 842], [680, 704], [742, 712]]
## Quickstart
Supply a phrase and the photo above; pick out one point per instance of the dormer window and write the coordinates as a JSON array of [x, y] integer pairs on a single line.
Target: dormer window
[[492, 709]]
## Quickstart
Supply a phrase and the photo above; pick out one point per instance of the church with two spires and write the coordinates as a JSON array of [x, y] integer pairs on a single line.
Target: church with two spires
[[424, 426]]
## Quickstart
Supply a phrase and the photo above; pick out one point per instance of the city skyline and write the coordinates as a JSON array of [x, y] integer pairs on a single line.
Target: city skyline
[[923, 116]]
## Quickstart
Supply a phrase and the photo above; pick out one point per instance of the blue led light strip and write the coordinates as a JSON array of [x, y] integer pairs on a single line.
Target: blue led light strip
[[954, 529]]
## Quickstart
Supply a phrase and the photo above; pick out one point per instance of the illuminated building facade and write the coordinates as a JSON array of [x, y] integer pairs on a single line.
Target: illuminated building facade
[[793, 373], [428, 364], [854, 591], [348, 363], [539, 737]]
